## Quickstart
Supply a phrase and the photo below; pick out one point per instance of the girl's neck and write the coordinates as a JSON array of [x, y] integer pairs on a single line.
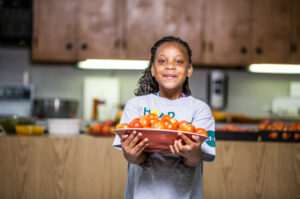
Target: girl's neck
[[171, 95]]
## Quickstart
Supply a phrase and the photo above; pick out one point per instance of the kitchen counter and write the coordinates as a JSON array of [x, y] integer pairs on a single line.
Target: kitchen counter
[[88, 167]]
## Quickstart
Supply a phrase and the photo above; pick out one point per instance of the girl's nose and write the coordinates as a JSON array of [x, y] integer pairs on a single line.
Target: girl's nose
[[170, 67]]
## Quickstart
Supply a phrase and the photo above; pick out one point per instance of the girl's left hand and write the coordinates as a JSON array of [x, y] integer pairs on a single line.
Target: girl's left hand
[[191, 151]]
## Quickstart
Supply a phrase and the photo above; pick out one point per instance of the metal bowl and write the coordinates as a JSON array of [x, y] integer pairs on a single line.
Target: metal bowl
[[55, 108]]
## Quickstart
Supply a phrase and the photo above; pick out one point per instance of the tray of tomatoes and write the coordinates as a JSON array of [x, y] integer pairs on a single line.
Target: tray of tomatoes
[[161, 133]]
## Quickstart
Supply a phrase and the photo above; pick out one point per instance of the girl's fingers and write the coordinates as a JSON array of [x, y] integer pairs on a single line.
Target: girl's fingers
[[124, 137], [139, 148], [176, 149], [172, 149], [185, 138], [197, 138], [135, 139]]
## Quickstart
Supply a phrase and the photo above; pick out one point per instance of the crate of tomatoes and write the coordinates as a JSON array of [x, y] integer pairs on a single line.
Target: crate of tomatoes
[[280, 131], [161, 133]]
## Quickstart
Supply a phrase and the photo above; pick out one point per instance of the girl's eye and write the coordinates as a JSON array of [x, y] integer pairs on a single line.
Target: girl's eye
[[179, 62], [161, 61]]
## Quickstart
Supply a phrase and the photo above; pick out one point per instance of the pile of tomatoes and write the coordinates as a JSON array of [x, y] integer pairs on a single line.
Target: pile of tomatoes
[[166, 122]]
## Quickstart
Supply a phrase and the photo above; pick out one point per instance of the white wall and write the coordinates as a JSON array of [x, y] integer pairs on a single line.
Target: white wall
[[249, 93]]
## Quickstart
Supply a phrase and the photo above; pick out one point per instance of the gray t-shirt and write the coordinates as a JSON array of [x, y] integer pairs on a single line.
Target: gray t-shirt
[[165, 175]]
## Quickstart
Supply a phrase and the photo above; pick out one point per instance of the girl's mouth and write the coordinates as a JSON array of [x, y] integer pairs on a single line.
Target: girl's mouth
[[169, 76]]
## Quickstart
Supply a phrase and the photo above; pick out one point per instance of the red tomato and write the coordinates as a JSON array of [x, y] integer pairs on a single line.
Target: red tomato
[[285, 136], [152, 116], [157, 125], [182, 124], [174, 122], [201, 131], [273, 135], [168, 125], [135, 123], [144, 120], [188, 128], [123, 126], [297, 136], [165, 117], [96, 128]]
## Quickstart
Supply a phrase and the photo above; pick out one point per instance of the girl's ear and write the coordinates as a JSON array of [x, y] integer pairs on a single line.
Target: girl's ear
[[189, 71], [152, 70]]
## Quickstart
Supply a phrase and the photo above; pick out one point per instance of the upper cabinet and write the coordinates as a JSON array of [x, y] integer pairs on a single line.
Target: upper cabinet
[[227, 33], [98, 29], [219, 32], [271, 31], [54, 26]]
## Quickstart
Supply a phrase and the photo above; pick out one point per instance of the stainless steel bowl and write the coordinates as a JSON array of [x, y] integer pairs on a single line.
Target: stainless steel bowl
[[55, 108]]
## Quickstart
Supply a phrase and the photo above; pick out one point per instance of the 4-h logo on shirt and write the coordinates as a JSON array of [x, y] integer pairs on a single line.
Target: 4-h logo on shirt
[[211, 138]]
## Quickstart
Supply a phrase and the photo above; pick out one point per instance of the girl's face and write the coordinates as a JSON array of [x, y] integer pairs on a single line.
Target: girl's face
[[171, 67]]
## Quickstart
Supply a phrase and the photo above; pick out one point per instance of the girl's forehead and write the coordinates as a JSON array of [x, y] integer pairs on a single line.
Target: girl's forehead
[[171, 47]]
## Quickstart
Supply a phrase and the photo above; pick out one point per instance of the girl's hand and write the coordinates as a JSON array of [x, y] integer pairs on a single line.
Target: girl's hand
[[191, 151], [133, 147]]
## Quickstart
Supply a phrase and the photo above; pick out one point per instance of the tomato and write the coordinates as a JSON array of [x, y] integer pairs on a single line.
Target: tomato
[[168, 125], [182, 124], [123, 126], [157, 125], [285, 136], [135, 123], [165, 117], [273, 135], [201, 131], [188, 128], [145, 122], [174, 122], [152, 116], [95, 128], [297, 136]]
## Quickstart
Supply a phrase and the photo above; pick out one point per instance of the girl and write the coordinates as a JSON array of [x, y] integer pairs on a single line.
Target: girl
[[164, 88]]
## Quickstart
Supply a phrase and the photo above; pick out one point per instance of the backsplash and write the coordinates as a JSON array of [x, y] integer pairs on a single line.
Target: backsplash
[[248, 93]]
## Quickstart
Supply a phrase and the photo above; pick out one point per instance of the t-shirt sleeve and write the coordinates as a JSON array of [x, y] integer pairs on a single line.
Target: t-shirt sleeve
[[130, 112], [203, 118]]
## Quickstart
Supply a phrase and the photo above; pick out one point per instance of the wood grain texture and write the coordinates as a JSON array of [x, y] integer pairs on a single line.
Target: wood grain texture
[[54, 30], [227, 32], [89, 167], [47, 167], [271, 31], [245, 170]]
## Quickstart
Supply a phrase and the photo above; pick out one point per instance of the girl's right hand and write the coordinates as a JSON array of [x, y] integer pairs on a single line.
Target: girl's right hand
[[133, 147]]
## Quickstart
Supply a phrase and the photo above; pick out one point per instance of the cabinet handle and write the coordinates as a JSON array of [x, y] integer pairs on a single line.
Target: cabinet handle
[[69, 46], [117, 43], [293, 48], [211, 46], [124, 44], [258, 50], [243, 50], [84, 46]]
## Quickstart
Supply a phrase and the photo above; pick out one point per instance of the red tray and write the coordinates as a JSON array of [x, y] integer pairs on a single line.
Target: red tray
[[159, 139]]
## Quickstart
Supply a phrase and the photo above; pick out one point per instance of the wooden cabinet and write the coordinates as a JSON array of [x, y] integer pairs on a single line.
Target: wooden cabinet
[[295, 32], [98, 32], [219, 32], [271, 31], [244, 32], [54, 30], [227, 33], [148, 21]]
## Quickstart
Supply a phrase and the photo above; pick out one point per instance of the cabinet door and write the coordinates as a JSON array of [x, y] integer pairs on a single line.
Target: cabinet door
[[227, 32], [98, 29], [54, 30], [295, 40], [143, 23], [271, 31], [185, 20]]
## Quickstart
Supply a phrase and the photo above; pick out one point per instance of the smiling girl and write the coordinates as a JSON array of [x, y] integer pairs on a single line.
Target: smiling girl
[[163, 88]]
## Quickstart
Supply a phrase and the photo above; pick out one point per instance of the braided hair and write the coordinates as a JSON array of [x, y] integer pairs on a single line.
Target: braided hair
[[147, 83]]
